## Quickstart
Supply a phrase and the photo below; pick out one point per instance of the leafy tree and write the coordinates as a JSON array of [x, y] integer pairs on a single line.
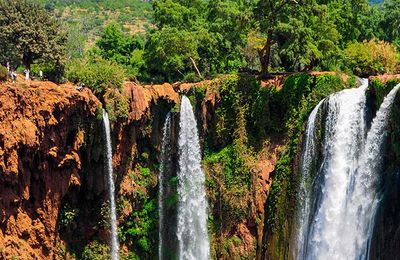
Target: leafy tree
[[202, 37], [391, 21], [98, 74], [270, 14], [372, 58], [126, 50], [30, 33]]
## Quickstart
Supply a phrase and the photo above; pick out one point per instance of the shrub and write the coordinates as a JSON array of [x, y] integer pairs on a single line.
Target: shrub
[[96, 251], [3, 73], [117, 103], [98, 74], [52, 72], [371, 58]]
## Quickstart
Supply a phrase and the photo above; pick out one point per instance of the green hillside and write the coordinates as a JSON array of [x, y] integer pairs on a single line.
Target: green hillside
[[90, 16]]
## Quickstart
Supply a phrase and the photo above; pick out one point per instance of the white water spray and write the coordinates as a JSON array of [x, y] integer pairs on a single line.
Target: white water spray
[[113, 211], [192, 232], [306, 166]]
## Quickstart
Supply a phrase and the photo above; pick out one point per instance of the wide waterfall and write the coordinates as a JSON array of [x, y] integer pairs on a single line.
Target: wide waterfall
[[192, 231], [113, 211], [165, 159], [338, 204]]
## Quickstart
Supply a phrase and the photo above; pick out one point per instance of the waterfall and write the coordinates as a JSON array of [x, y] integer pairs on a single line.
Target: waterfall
[[337, 224], [365, 197], [165, 157], [193, 240], [113, 211], [306, 166]]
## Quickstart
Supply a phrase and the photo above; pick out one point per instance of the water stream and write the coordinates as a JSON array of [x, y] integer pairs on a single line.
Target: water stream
[[111, 185], [193, 240]]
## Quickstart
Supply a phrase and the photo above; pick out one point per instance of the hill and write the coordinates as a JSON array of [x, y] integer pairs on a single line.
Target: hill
[[90, 16]]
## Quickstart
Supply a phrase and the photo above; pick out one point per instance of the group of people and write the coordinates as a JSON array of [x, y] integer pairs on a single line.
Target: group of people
[[13, 76], [13, 73]]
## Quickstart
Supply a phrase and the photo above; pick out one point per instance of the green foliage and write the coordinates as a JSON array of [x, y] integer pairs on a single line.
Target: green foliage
[[378, 90], [3, 73], [372, 58], [97, 74], [51, 71], [141, 228], [117, 104], [67, 216], [126, 50], [209, 34], [96, 251], [28, 33], [391, 19]]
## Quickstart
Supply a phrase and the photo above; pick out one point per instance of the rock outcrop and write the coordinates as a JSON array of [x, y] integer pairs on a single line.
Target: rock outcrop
[[43, 128]]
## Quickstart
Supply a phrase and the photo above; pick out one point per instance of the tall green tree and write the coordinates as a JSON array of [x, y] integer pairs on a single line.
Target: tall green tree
[[270, 14], [198, 37], [124, 49], [391, 21], [30, 33]]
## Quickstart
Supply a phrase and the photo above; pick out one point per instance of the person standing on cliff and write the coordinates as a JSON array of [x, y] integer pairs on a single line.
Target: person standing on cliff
[[13, 75], [26, 74], [41, 75], [8, 66]]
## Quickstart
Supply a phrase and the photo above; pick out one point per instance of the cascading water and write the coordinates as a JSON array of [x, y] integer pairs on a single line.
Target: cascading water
[[365, 197], [165, 157], [338, 222], [306, 166], [113, 211], [192, 231], [345, 131]]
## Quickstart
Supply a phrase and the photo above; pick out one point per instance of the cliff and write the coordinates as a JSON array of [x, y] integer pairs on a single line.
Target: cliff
[[54, 199], [42, 133]]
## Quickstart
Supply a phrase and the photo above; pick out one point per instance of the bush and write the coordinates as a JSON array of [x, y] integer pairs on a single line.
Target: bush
[[97, 74], [3, 73], [96, 251], [52, 72], [117, 104], [371, 58]]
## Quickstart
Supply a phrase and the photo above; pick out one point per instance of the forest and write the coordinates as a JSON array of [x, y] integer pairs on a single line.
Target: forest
[[194, 40]]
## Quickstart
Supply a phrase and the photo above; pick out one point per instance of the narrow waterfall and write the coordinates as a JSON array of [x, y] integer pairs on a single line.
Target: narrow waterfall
[[306, 166], [165, 158], [113, 211], [193, 240], [337, 213]]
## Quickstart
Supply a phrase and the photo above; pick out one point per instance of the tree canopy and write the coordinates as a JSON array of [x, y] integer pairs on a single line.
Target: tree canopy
[[28, 33]]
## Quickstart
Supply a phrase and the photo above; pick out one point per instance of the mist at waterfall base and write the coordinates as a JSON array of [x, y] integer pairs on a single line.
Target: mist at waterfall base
[[339, 186], [111, 185]]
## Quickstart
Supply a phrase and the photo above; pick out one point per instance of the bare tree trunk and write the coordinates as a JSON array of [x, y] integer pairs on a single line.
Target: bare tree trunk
[[265, 56], [197, 69]]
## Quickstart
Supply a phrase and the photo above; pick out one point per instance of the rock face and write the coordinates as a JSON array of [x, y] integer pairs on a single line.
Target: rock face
[[43, 128], [51, 159]]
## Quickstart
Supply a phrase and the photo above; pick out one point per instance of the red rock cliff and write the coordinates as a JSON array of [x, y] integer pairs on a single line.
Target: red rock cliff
[[42, 130]]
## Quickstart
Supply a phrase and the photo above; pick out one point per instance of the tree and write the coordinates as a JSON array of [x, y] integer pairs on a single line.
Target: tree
[[391, 21], [125, 50], [198, 37], [270, 13], [30, 32]]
